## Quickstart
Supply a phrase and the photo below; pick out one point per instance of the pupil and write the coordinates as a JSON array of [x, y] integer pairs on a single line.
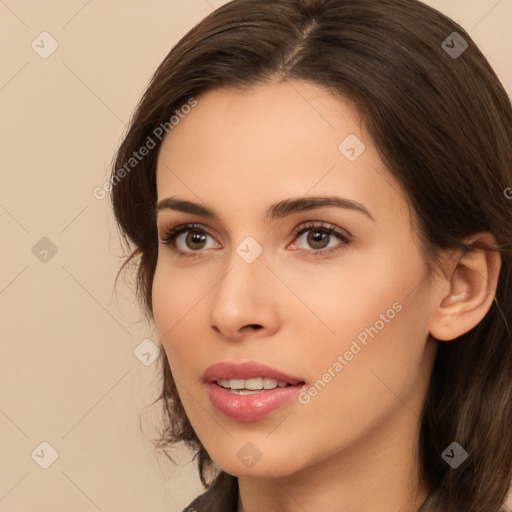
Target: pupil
[[196, 238], [316, 237]]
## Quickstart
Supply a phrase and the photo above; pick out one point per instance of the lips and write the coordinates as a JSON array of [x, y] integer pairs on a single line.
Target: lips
[[246, 371], [249, 391]]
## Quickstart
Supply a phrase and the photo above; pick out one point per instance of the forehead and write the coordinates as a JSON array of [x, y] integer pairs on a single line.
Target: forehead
[[295, 111], [270, 142]]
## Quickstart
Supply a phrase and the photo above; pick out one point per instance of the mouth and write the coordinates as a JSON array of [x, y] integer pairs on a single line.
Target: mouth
[[251, 386], [250, 375], [249, 391]]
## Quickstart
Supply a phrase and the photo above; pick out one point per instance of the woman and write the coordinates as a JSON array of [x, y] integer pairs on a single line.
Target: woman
[[318, 213]]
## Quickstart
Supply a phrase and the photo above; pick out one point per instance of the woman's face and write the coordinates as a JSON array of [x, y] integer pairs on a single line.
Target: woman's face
[[347, 325]]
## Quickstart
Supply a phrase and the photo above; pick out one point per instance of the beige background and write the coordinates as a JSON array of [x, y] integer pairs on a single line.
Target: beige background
[[68, 373]]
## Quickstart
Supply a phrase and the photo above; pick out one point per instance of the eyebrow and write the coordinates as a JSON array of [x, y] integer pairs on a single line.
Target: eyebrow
[[277, 210]]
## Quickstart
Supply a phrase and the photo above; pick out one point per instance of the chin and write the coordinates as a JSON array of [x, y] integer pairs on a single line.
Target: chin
[[246, 460], [260, 469]]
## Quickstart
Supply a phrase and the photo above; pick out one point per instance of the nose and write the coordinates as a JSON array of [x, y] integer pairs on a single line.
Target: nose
[[245, 300]]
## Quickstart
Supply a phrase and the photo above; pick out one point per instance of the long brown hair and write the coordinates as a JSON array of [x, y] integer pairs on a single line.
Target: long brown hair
[[442, 123]]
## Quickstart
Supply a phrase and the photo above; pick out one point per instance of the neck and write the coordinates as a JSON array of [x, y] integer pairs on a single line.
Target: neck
[[379, 474]]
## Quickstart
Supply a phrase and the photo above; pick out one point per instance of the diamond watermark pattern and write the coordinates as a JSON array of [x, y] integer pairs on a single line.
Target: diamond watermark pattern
[[351, 147], [44, 250], [454, 45], [146, 352], [44, 455], [44, 45], [249, 249], [249, 455], [455, 455]]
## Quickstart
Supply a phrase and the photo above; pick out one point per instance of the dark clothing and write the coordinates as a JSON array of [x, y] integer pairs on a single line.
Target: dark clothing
[[221, 496]]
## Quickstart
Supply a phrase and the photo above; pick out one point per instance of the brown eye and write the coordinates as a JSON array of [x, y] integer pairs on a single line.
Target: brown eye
[[193, 239], [317, 239], [319, 236], [187, 239]]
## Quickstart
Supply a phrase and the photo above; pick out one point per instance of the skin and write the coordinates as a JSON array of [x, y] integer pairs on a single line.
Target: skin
[[354, 445]]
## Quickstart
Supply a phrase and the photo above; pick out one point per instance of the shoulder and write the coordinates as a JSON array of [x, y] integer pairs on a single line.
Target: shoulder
[[221, 496]]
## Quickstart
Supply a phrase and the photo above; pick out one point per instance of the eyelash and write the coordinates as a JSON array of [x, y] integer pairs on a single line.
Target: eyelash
[[169, 236]]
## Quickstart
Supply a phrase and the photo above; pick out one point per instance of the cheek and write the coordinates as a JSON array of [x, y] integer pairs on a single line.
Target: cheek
[[180, 300], [374, 315], [339, 301], [382, 377], [172, 300], [174, 293], [162, 302], [381, 338]]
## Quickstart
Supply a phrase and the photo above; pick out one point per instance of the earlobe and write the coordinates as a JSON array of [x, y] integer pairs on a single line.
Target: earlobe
[[471, 279]]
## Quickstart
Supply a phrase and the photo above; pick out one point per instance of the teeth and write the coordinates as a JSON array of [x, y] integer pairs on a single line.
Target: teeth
[[236, 383], [270, 383], [251, 384]]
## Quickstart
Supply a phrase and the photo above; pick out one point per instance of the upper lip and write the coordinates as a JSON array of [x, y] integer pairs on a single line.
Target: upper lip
[[247, 370]]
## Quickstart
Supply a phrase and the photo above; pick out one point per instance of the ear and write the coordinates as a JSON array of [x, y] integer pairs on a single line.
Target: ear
[[467, 290]]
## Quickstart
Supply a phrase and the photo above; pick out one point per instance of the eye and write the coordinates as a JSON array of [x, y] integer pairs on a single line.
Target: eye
[[319, 235], [192, 236], [194, 239]]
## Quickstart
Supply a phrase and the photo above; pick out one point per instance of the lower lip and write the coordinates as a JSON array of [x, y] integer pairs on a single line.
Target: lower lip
[[251, 407]]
